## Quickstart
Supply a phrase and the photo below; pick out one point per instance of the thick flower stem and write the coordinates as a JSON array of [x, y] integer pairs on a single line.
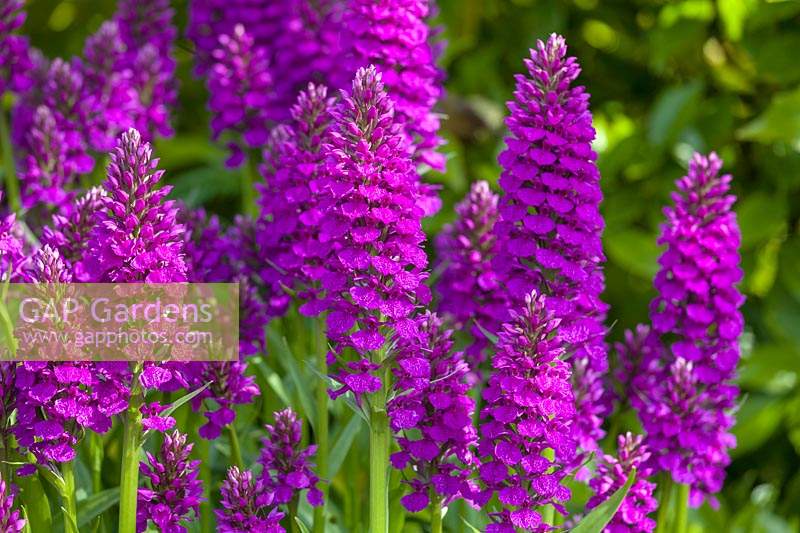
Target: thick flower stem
[[662, 521], [12, 185], [436, 514], [378, 462], [69, 507], [682, 509], [132, 440], [206, 509], [293, 526], [249, 177], [322, 424], [236, 449]]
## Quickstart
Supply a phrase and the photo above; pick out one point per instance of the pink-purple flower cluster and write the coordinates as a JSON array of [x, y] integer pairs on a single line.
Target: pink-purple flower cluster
[[287, 468], [612, 473], [173, 492], [431, 415], [688, 412], [528, 441], [373, 280], [246, 507], [550, 225], [10, 519], [15, 60], [470, 291]]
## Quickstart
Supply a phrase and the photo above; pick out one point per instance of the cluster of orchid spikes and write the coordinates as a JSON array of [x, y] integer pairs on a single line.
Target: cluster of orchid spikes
[[486, 383]]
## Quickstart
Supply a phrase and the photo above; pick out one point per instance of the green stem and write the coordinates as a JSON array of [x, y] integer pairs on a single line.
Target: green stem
[[436, 513], [682, 511], [236, 450], [662, 520], [378, 462], [293, 526], [249, 177], [206, 510], [96, 450], [69, 506], [132, 440], [12, 185], [322, 424]]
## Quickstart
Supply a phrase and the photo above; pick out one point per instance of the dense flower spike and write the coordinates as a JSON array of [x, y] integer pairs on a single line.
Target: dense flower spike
[[470, 290], [147, 30], [374, 279], [639, 357], [239, 86], [173, 493], [431, 398], [287, 469], [288, 226], [69, 233], [550, 225], [612, 473], [299, 39], [108, 86], [10, 520], [688, 417], [57, 402], [15, 60], [246, 508], [136, 236], [529, 408], [46, 170], [393, 35]]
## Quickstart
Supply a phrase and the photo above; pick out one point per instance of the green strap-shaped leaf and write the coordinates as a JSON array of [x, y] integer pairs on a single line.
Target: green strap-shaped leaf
[[601, 515], [342, 445], [95, 505], [289, 362]]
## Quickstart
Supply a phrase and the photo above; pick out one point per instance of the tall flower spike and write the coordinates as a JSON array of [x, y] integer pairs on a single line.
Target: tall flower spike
[[374, 279], [529, 411], [299, 39], [431, 415], [394, 36], [239, 86], [689, 416], [288, 231], [148, 32], [470, 290], [15, 60], [10, 521], [246, 507], [136, 237], [612, 473], [550, 225], [287, 470], [45, 170], [173, 490]]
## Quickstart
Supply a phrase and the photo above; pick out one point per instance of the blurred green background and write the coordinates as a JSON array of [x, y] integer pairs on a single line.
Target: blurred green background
[[666, 78]]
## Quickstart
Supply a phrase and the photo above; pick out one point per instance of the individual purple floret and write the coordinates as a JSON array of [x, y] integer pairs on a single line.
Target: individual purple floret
[[431, 415], [136, 237], [10, 520], [172, 492], [246, 507], [527, 442], [374, 277], [148, 32], [287, 469], [15, 60], [470, 291], [394, 36], [288, 225], [239, 86], [550, 225], [688, 414], [612, 473]]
